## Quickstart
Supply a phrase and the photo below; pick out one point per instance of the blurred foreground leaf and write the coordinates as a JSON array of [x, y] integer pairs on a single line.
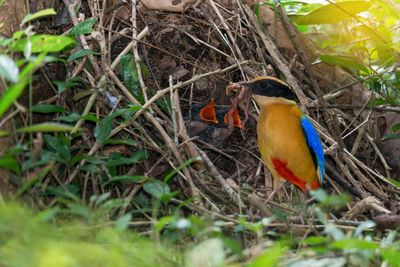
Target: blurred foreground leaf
[[329, 14], [46, 127], [44, 43]]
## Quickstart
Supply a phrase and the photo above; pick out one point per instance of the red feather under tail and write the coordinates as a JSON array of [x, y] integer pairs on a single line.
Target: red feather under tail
[[284, 172]]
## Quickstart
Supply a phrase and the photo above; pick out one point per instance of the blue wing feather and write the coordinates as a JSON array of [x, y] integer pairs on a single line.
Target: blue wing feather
[[314, 144]]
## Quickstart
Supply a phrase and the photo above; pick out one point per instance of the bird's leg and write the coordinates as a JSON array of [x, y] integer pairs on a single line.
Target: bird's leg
[[271, 196], [277, 186]]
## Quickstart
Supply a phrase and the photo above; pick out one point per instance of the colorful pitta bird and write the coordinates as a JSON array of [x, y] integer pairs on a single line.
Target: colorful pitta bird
[[200, 117], [288, 142]]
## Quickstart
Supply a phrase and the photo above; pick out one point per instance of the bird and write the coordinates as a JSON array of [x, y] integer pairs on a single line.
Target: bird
[[288, 142], [199, 117], [216, 133]]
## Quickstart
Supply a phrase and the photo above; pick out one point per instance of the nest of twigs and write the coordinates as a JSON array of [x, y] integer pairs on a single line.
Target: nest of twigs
[[191, 57]]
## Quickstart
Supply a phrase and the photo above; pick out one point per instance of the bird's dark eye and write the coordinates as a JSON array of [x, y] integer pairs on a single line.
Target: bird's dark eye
[[263, 84]]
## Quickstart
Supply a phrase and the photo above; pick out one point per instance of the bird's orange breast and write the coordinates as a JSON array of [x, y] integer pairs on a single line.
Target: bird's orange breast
[[283, 146]]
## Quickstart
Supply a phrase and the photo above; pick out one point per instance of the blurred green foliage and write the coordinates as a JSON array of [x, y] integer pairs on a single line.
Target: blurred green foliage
[[30, 239], [76, 234]]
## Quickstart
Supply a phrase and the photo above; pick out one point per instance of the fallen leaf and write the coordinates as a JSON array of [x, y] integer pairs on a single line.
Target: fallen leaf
[[170, 5]]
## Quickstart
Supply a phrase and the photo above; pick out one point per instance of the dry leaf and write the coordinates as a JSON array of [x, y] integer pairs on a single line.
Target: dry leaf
[[118, 149], [170, 5], [232, 184]]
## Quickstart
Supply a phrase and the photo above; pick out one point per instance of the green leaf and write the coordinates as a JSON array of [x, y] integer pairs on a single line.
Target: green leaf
[[326, 200], [45, 108], [28, 70], [363, 226], [329, 14], [43, 172], [269, 258], [103, 129], [44, 43], [335, 232], [14, 91], [129, 142], [99, 199], [139, 155], [116, 159], [183, 165], [46, 127], [10, 163], [319, 194], [396, 127], [354, 243], [78, 158], [302, 28], [130, 110], [61, 86], [64, 139], [126, 178], [396, 183], [46, 158], [81, 53], [90, 117], [316, 240], [5, 42], [166, 197], [344, 61], [390, 136], [90, 168], [130, 77], [306, 8], [164, 221], [257, 12], [84, 27], [83, 94], [79, 210], [123, 221], [392, 255], [18, 34], [8, 69], [41, 13], [380, 102], [164, 103], [156, 188], [47, 215], [60, 193], [70, 118], [58, 146]]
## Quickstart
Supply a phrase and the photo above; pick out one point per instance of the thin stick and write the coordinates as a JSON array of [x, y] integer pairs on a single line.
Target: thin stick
[[222, 20], [136, 53]]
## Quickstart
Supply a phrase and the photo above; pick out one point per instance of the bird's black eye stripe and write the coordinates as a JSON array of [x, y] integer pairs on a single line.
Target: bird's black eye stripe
[[272, 88]]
